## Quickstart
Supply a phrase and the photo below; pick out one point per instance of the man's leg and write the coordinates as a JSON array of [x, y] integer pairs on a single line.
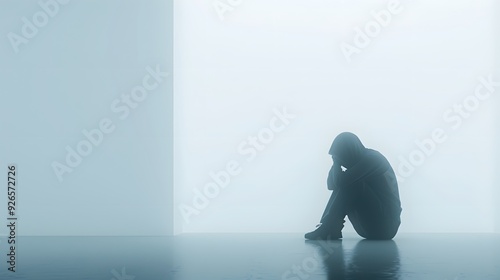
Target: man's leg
[[339, 205], [370, 217], [329, 206], [328, 228], [333, 218]]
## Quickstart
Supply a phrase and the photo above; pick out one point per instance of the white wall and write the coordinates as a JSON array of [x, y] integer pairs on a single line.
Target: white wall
[[264, 54], [497, 64], [65, 79]]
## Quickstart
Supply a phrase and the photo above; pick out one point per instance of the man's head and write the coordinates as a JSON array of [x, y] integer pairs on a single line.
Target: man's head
[[347, 149]]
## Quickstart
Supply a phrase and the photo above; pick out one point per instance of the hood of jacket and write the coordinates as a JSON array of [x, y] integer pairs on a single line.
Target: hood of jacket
[[347, 149]]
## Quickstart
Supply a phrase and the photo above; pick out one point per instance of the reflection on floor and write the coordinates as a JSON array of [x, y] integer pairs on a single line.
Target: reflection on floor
[[255, 257]]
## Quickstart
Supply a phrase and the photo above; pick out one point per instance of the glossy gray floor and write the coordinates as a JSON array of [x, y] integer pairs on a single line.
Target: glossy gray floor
[[255, 257]]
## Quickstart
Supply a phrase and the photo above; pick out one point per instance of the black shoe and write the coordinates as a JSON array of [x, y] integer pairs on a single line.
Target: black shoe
[[322, 232]]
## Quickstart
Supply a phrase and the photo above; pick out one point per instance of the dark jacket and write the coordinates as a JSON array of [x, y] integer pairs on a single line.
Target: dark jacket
[[364, 166]]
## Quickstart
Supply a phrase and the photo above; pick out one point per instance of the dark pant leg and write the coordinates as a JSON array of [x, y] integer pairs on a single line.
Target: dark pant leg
[[371, 218], [364, 209], [329, 205], [339, 205]]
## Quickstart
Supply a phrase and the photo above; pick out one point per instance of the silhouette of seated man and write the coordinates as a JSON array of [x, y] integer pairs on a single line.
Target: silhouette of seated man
[[364, 188]]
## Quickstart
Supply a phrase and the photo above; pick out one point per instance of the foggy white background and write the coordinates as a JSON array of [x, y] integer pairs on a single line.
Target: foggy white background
[[265, 54], [229, 77]]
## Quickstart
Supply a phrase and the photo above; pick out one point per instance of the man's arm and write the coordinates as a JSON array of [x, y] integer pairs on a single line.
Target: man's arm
[[333, 177], [369, 165]]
